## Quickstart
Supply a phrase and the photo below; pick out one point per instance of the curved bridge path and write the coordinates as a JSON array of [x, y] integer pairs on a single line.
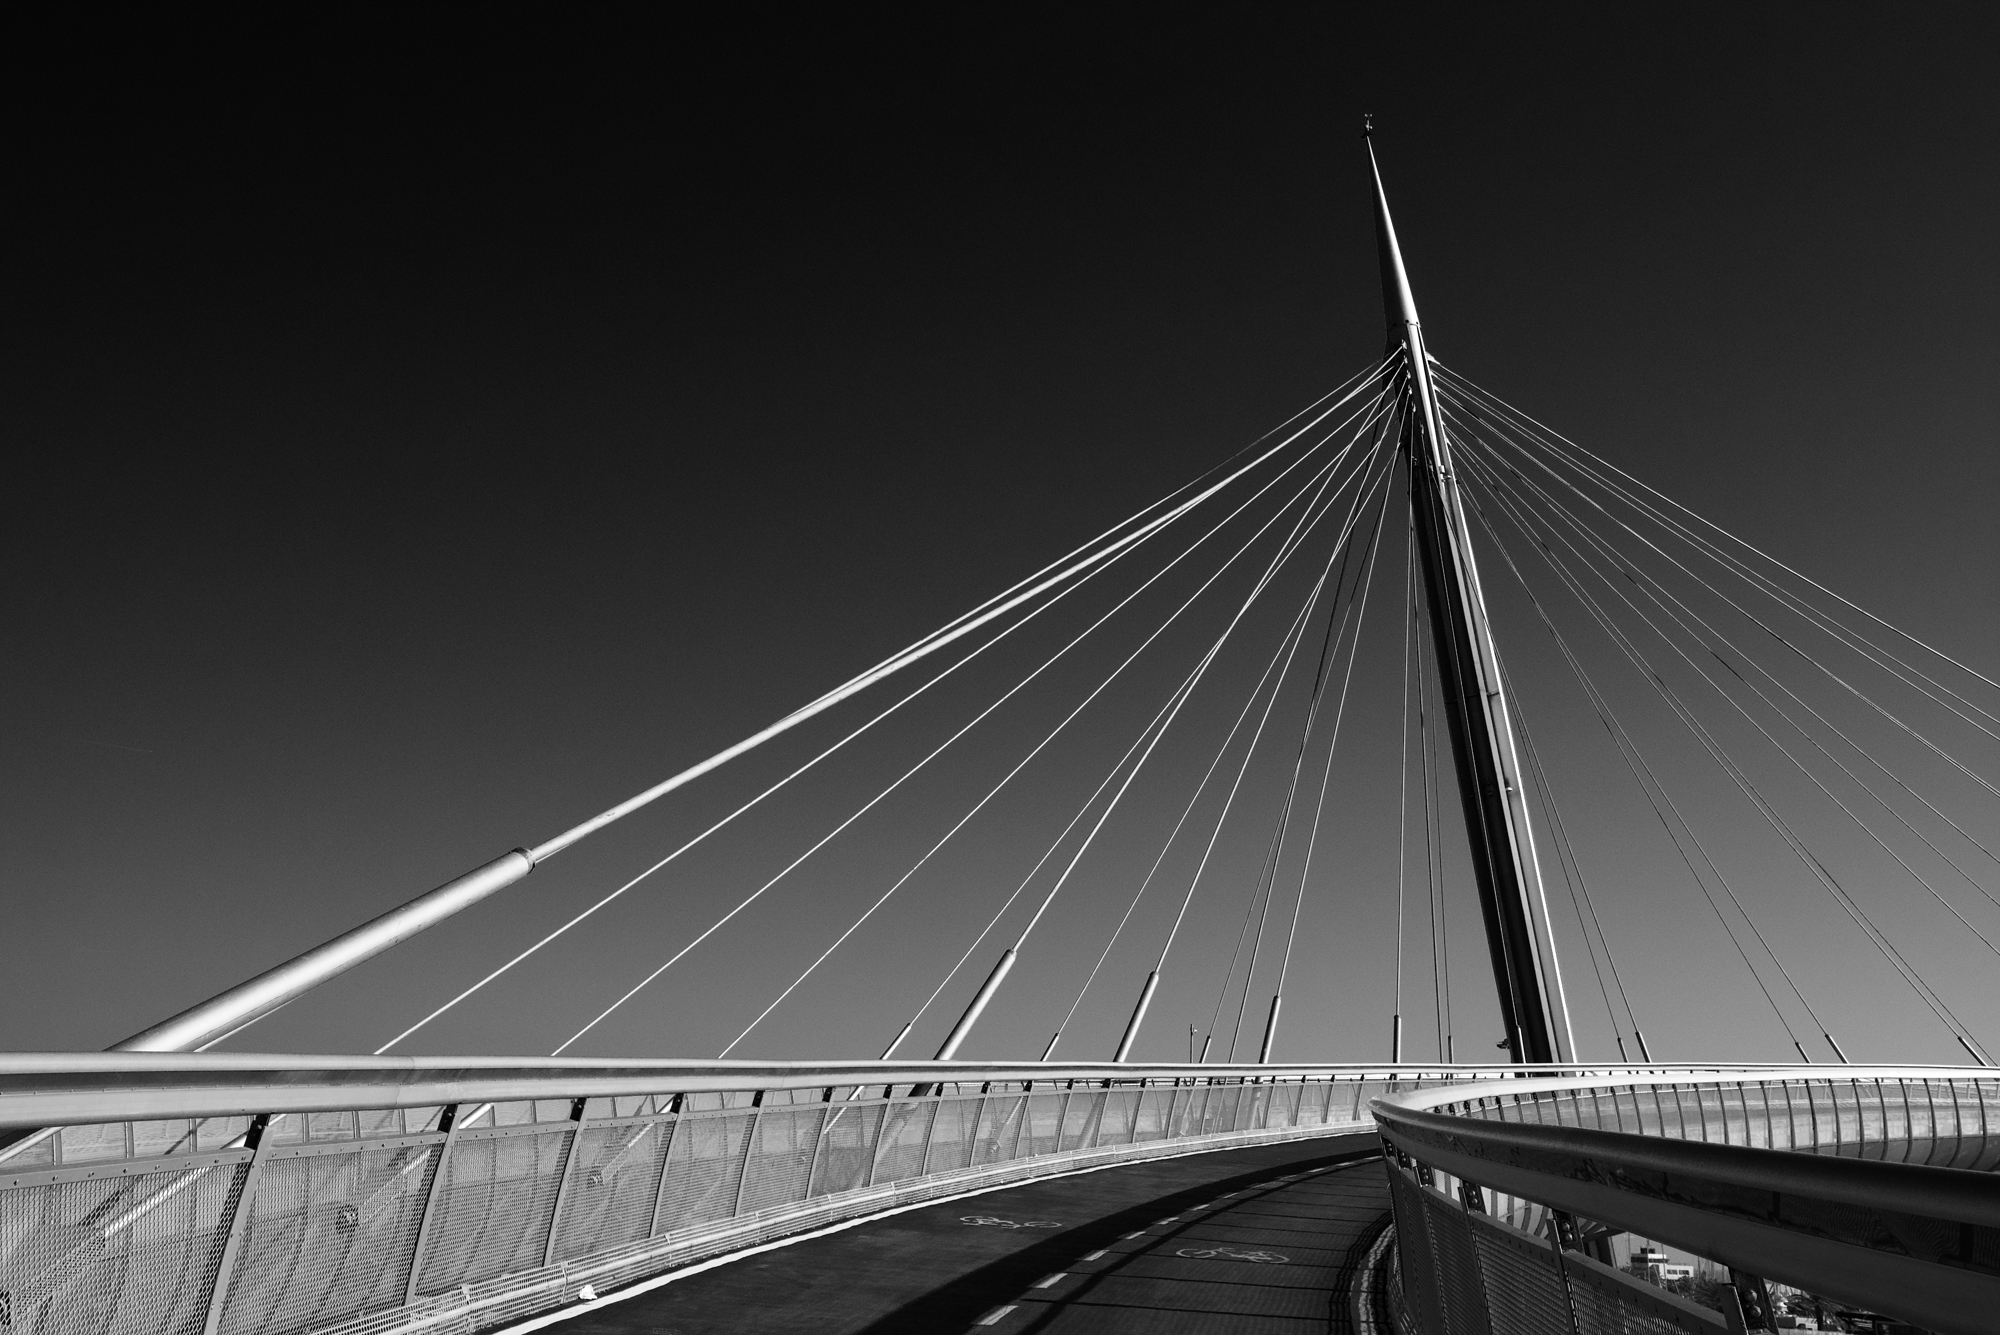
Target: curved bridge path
[[1234, 1242]]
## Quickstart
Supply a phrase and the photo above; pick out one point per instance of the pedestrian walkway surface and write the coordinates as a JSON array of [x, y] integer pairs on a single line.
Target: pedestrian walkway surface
[[1236, 1242]]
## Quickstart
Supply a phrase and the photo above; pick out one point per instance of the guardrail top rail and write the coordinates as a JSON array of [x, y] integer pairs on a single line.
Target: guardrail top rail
[[1872, 1185]]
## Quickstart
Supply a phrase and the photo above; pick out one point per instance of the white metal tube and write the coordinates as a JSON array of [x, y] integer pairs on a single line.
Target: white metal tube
[[971, 1016], [1139, 1016], [1270, 1029], [229, 1011]]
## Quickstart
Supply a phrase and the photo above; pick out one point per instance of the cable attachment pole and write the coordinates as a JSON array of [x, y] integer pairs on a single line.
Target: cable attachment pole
[[1270, 1029], [971, 1017], [1482, 735], [1139, 1017]]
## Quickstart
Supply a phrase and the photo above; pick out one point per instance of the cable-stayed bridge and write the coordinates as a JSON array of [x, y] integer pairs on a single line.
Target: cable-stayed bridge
[[1150, 782]]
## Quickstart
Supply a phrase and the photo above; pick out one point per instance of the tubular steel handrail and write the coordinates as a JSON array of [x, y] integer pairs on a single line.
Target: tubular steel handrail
[[1865, 1184], [45, 1089]]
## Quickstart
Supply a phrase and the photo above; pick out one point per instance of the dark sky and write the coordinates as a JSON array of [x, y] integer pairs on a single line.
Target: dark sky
[[421, 439]]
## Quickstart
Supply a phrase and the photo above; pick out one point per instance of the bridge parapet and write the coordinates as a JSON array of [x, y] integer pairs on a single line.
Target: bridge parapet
[[231, 1193], [1868, 1185]]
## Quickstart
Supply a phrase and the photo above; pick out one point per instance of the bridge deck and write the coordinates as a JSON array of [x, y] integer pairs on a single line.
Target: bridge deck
[[1241, 1242]]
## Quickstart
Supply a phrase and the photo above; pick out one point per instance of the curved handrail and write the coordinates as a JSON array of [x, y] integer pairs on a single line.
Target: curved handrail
[[47, 1089], [1915, 1239]]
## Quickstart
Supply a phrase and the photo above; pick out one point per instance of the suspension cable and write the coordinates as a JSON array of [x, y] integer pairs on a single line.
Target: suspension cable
[[1800, 653], [1812, 863], [1339, 716], [1648, 586], [1159, 720], [726, 820], [1579, 887], [1863, 647], [864, 809], [1548, 432], [1039, 747], [1648, 781], [1250, 703], [960, 627]]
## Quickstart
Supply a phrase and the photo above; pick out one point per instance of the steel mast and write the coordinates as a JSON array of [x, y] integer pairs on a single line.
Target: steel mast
[[1476, 713]]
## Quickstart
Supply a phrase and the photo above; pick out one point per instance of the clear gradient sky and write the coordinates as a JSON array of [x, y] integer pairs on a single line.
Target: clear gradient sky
[[421, 439]]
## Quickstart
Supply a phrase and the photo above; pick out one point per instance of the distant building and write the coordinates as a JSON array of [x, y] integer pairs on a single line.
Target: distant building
[[1653, 1263]]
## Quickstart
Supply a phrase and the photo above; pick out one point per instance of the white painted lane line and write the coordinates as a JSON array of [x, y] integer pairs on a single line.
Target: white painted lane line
[[992, 1318], [1052, 1280], [1095, 1255], [1129, 1236]]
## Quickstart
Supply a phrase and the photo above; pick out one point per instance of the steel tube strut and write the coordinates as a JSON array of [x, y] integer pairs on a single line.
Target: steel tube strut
[[1482, 736], [1131, 1033], [222, 1015], [949, 1048]]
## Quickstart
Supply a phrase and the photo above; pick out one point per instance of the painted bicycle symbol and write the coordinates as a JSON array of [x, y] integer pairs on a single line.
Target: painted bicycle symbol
[[990, 1221], [1232, 1254]]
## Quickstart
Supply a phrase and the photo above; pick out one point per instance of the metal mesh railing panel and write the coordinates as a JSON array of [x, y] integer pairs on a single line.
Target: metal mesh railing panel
[[953, 1134], [779, 1165], [999, 1124], [614, 1189], [1114, 1123], [494, 1209], [1524, 1292], [123, 1255], [1417, 1263], [1150, 1120], [1219, 1112], [1080, 1119], [328, 1236], [704, 1168], [847, 1148], [1459, 1283], [1602, 1309], [1044, 1125], [905, 1129]]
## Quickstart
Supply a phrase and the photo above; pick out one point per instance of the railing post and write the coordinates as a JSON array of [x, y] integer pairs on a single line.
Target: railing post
[[576, 1118], [978, 1120], [239, 1216], [449, 1120], [749, 1144], [1563, 1228], [674, 1110], [1021, 1126], [881, 1134], [826, 1115], [930, 1132]]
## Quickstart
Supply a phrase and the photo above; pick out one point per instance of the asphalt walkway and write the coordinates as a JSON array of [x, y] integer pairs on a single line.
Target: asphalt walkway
[[1237, 1242]]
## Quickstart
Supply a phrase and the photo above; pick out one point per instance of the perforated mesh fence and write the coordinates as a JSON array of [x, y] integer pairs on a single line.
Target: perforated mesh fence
[[367, 1222], [1464, 1272], [495, 1206], [124, 1252], [614, 1188], [778, 1168], [328, 1235]]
